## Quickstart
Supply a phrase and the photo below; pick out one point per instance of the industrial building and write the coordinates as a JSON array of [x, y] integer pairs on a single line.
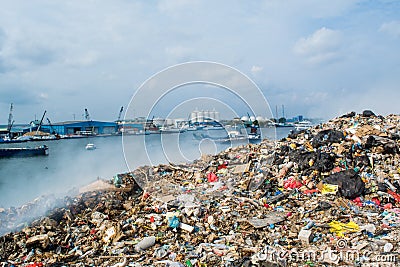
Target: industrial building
[[204, 116], [81, 127]]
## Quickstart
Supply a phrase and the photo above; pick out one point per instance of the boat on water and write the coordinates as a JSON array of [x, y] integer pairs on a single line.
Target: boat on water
[[171, 130], [233, 136], [90, 147], [283, 124], [133, 132], [191, 128], [215, 127], [254, 136], [24, 151], [8, 140], [303, 125]]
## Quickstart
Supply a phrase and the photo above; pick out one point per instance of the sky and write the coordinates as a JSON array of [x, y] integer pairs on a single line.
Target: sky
[[318, 58]]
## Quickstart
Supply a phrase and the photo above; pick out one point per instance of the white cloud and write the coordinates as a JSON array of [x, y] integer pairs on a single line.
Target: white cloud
[[320, 47], [43, 96], [178, 52], [392, 28], [176, 7], [84, 60], [119, 45], [256, 69]]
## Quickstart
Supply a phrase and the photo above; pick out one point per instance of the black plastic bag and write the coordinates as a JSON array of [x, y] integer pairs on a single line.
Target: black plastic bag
[[302, 158], [327, 137], [324, 162], [349, 182], [368, 113], [389, 146]]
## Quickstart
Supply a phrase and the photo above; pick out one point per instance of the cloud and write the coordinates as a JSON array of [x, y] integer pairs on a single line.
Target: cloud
[[83, 56], [83, 60], [4, 67], [17, 94], [2, 38], [43, 96], [321, 47], [392, 28], [178, 51], [176, 7], [34, 54], [256, 69]]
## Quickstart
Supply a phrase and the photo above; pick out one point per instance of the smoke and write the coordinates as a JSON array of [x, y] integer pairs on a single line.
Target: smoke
[[38, 184]]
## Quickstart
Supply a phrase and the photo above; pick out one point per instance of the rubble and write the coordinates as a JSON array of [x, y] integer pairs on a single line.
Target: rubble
[[305, 236], [333, 188]]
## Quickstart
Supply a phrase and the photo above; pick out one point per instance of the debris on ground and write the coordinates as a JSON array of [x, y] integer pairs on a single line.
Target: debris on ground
[[333, 188]]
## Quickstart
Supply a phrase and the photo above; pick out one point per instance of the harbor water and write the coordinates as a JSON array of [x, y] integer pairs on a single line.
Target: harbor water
[[69, 165]]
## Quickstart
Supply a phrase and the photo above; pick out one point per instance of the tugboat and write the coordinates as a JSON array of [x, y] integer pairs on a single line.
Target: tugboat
[[254, 135]]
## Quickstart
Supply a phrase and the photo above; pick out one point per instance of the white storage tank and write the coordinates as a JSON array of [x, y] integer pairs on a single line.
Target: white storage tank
[[216, 115], [200, 116], [194, 116], [244, 118], [260, 118]]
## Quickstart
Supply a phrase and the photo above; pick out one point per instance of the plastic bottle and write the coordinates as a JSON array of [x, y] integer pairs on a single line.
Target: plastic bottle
[[145, 243], [30, 255], [309, 225]]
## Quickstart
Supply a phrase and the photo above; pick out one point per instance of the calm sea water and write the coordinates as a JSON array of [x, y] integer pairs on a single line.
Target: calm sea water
[[69, 165]]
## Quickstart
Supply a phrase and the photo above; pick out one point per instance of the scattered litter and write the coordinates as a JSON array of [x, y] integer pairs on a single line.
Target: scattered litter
[[338, 181]]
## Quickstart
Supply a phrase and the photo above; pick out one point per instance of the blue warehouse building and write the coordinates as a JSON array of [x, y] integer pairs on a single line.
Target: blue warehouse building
[[76, 127]]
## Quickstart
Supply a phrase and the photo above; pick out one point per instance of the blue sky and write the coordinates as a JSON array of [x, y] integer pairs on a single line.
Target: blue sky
[[318, 58]]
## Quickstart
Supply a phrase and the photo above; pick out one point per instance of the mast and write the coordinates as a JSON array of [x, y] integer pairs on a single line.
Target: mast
[[40, 124], [10, 121], [87, 117], [51, 127], [120, 113]]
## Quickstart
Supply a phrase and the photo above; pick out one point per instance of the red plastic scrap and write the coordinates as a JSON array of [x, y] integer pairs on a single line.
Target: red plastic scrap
[[223, 188], [145, 196], [358, 201], [223, 166], [376, 201], [336, 169], [388, 206], [394, 195], [292, 183], [211, 177], [310, 191]]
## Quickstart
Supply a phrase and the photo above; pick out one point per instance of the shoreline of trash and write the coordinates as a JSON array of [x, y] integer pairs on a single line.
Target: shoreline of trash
[[325, 196]]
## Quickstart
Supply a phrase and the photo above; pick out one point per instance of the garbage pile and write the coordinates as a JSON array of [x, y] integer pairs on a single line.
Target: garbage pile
[[326, 196]]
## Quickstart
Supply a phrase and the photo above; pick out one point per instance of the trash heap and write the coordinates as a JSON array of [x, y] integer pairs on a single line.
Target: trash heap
[[331, 189]]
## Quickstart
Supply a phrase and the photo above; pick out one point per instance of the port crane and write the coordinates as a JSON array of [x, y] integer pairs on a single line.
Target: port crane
[[89, 146], [53, 131], [51, 127], [10, 121], [40, 123], [87, 117], [120, 114]]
